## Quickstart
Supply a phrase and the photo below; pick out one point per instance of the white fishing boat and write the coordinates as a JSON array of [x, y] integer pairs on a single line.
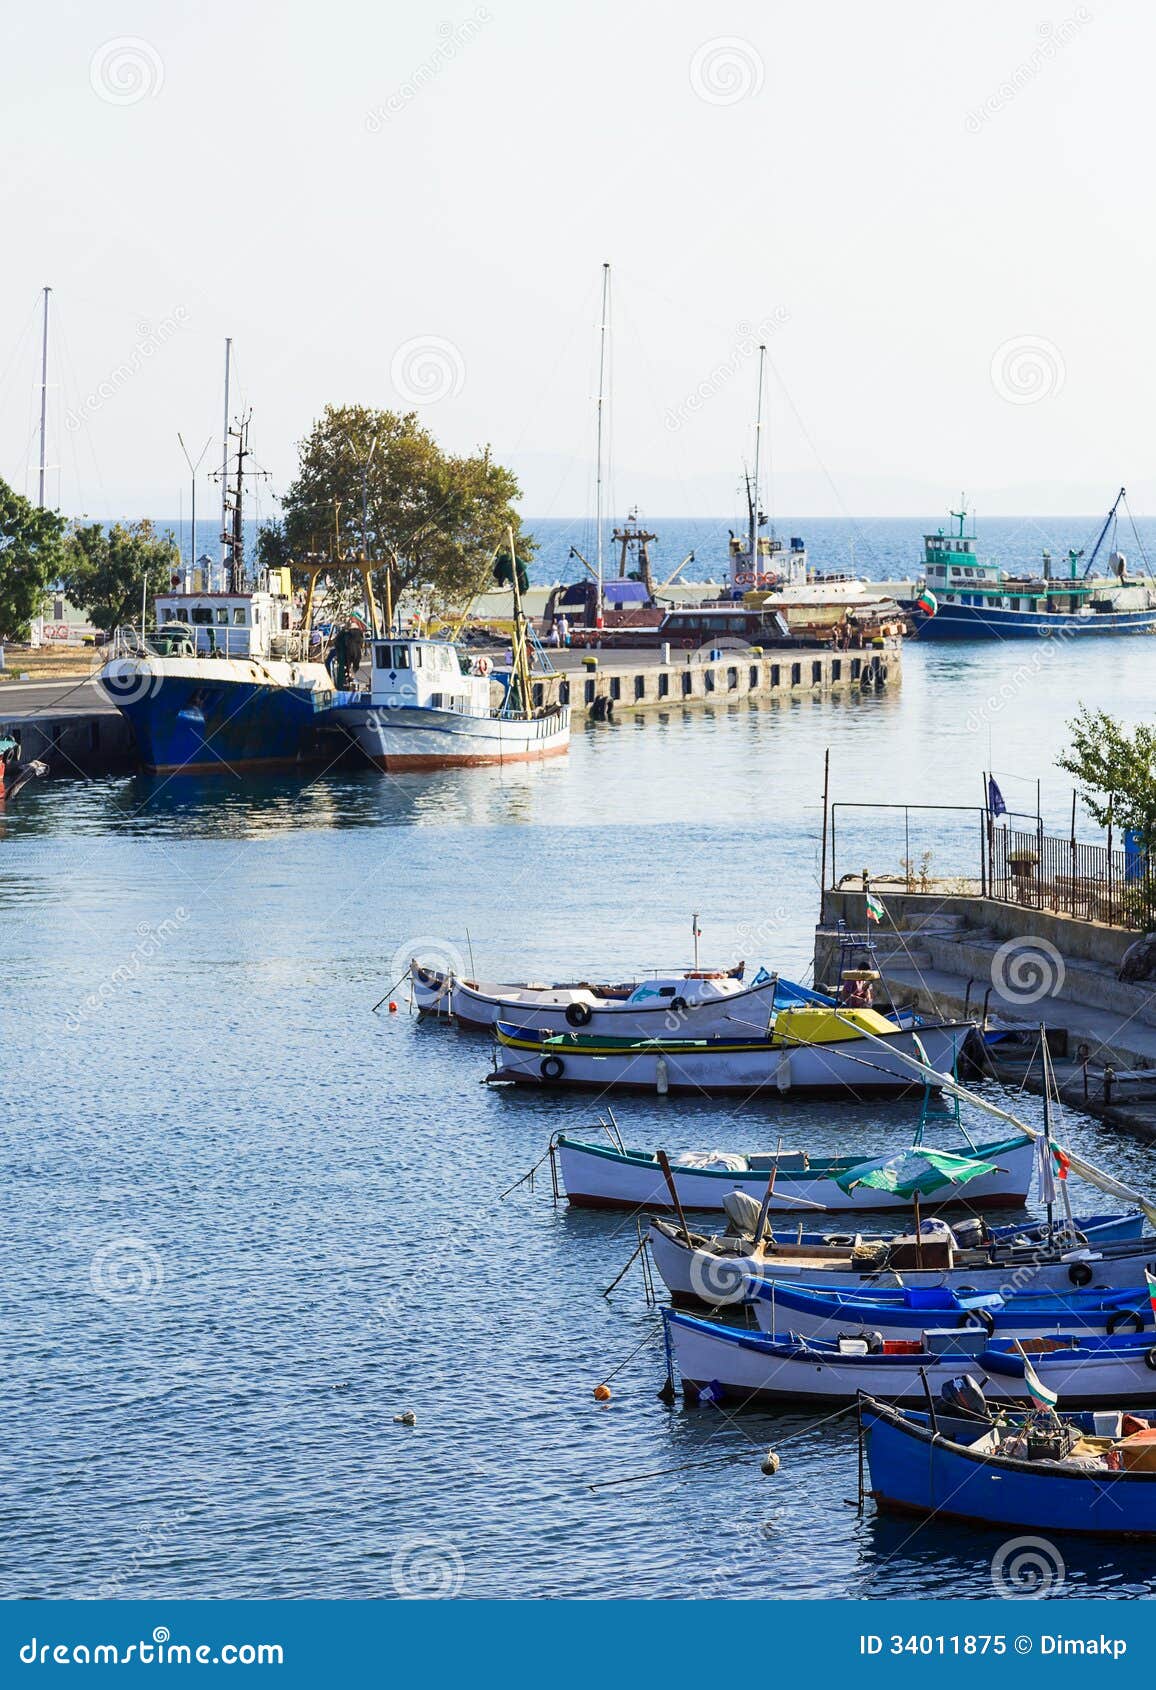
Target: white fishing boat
[[740, 1366], [714, 1271], [693, 1004], [427, 710], [812, 1048], [602, 1177]]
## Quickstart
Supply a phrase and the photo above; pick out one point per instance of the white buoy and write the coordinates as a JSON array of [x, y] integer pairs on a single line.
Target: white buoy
[[409, 1418], [661, 1077], [771, 1463]]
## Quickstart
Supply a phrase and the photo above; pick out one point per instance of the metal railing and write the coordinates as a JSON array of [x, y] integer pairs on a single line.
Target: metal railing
[[944, 848], [210, 640]]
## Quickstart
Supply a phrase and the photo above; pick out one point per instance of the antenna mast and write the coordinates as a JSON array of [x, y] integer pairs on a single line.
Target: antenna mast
[[44, 398], [598, 470], [753, 504], [225, 459]]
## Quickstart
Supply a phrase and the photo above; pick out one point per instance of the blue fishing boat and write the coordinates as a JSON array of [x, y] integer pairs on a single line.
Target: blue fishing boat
[[961, 598], [1091, 1473], [904, 1311]]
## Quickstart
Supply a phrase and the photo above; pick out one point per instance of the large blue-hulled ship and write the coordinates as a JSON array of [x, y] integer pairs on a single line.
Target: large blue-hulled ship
[[961, 598]]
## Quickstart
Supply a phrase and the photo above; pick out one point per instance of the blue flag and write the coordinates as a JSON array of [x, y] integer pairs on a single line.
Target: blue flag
[[995, 801]]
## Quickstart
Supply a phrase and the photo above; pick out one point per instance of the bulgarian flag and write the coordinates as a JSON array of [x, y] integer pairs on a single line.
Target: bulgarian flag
[[1062, 1160], [875, 910], [927, 602], [1042, 1395], [1151, 1291]]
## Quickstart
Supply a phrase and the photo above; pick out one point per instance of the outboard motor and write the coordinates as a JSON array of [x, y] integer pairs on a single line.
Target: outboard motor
[[965, 1397]]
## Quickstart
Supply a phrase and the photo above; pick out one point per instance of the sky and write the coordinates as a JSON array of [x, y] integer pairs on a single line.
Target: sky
[[935, 216]]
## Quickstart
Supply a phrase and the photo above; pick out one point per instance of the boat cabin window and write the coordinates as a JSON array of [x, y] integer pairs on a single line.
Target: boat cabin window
[[201, 615], [391, 657], [239, 616], [222, 616]]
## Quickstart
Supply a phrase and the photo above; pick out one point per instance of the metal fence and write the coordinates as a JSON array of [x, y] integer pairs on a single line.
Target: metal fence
[[962, 849]]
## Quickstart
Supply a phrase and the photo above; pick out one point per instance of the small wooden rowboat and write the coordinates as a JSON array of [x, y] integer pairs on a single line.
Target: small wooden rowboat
[[1093, 1473], [812, 1049], [735, 1365], [808, 1311], [718, 1270], [598, 1176]]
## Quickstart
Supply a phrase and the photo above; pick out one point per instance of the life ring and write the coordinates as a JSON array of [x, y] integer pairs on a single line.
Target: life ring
[[482, 666], [578, 1015], [552, 1068], [678, 1004], [974, 1320], [1081, 1274], [1116, 1320]]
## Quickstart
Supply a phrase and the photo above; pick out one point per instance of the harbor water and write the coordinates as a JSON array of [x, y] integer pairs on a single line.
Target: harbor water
[[246, 1221]]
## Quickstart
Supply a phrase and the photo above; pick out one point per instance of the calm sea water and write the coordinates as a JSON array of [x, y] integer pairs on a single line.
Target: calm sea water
[[245, 1221]]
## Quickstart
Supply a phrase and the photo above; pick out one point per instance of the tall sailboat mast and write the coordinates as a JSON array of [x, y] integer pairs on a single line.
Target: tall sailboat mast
[[44, 398], [753, 502], [598, 501], [226, 543]]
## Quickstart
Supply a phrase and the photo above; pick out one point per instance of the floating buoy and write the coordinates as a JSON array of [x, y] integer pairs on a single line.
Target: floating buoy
[[409, 1418], [771, 1463], [392, 1007], [602, 1393]]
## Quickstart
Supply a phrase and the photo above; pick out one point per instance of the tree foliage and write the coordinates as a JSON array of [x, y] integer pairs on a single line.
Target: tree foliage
[[107, 571], [31, 553], [433, 518], [1114, 771]]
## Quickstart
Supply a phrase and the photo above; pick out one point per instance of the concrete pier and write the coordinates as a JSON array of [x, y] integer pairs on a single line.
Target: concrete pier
[[641, 680], [67, 724]]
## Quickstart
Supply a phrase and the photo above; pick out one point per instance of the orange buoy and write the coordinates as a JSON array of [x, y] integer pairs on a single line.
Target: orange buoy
[[602, 1393], [392, 1007]]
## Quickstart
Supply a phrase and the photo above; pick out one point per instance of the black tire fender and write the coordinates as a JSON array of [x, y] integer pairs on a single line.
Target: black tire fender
[[1134, 1316], [552, 1068], [578, 1014], [1080, 1273]]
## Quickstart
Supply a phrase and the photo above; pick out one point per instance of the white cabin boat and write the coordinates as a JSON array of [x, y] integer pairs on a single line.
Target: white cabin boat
[[424, 711]]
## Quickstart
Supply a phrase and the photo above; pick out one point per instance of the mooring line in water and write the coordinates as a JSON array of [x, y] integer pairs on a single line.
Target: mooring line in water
[[716, 1460]]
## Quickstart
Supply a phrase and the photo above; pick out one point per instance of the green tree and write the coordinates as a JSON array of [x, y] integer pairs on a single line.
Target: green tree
[[1114, 771], [433, 519], [106, 572], [31, 554]]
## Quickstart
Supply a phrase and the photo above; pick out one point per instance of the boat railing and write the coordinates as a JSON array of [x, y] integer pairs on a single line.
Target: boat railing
[[180, 639]]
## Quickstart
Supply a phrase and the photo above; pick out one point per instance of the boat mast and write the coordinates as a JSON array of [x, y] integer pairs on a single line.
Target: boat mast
[[225, 459], [598, 467], [753, 504], [521, 658], [44, 398]]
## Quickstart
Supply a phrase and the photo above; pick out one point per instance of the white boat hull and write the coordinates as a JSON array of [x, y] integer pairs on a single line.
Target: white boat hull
[[697, 1277], [857, 1066], [696, 1008], [599, 1179], [419, 737], [744, 1373]]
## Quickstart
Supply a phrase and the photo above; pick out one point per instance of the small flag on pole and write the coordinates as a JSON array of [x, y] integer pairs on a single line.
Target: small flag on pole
[[927, 602], [1042, 1395], [875, 910], [1062, 1160], [995, 801], [1151, 1291]]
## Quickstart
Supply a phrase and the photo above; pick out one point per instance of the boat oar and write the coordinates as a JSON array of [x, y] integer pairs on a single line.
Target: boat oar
[[664, 1164], [770, 1192], [390, 993]]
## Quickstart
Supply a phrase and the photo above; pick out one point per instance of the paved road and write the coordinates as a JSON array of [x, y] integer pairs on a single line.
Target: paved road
[[76, 695]]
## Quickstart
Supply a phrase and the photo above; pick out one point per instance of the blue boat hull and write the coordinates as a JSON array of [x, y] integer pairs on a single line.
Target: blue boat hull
[[915, 1473], [979, 622], [227, 725]]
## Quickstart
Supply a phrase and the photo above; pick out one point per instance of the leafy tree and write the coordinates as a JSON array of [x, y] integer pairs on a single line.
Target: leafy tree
[[31, 553], [106, 573], [1114, 771], [433, 519], [272, 546]]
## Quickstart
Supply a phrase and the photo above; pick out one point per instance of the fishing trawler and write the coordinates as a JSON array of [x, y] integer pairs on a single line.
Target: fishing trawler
[[960, 598], [424, 710], [227, 680]]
